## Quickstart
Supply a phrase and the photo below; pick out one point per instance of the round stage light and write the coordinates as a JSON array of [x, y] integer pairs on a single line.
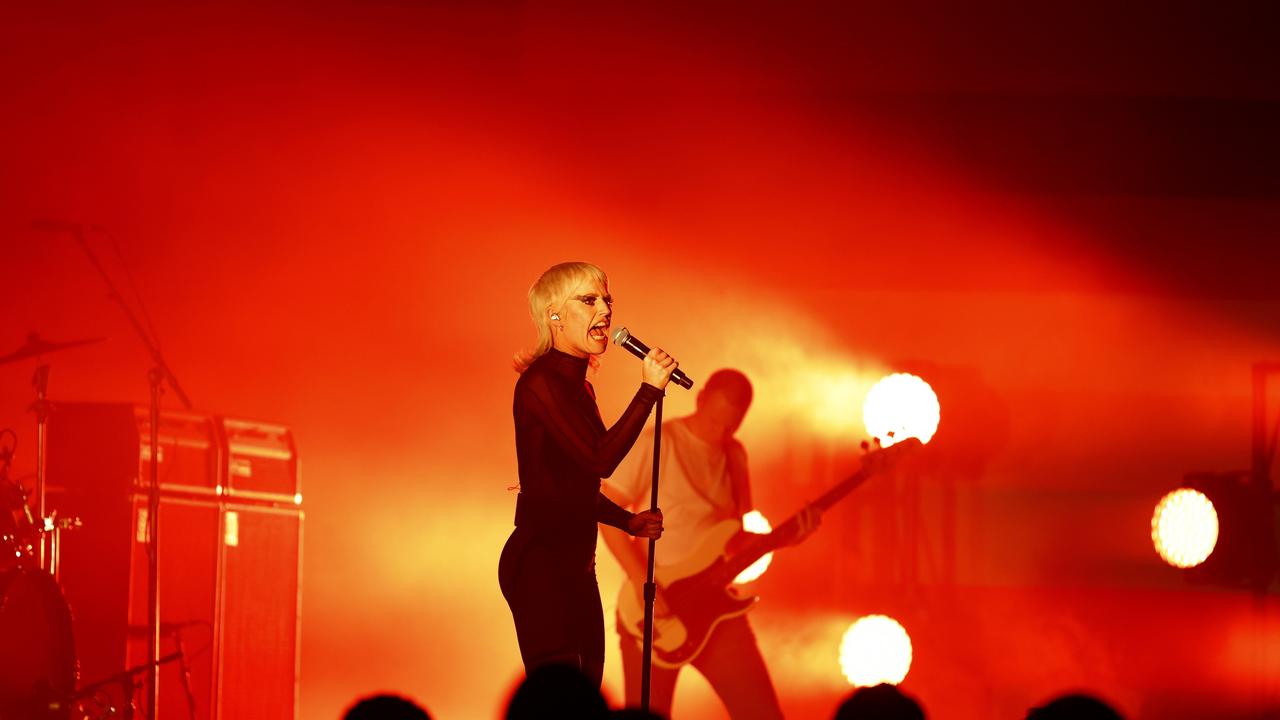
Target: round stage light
[[754, 522], [875, 649], [1184, 528], [901, 406]]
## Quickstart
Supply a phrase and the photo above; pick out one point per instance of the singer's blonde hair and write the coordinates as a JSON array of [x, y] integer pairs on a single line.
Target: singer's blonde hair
[[550, 292]]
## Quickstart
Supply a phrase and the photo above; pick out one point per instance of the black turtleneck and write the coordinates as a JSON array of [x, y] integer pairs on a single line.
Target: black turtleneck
[[563, 448]]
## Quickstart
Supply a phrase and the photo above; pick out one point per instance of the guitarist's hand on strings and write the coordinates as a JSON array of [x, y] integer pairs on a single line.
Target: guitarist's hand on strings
[[646, 524]]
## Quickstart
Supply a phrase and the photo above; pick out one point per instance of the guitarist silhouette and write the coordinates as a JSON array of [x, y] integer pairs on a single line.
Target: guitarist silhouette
[[704, 492]]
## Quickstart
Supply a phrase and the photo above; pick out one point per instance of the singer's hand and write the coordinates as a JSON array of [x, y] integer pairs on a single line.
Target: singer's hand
[[657, 368], [646, 524]]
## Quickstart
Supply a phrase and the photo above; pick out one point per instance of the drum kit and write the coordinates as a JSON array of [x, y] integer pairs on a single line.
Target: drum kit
[[38, 668]]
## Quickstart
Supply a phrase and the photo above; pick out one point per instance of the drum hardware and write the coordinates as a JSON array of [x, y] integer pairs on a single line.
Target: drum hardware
[[17, 528], [46, 535], [52, 529], [129, 681], [20, 534], [37, 649], [41, 407], [37, 644], [36, 347]]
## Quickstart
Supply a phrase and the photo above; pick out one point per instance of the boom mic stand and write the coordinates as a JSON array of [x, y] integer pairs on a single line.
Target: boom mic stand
[[159, 375]]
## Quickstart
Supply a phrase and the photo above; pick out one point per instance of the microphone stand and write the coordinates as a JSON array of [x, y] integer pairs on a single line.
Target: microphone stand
[[185, 671], [159, 375], [650, 587]]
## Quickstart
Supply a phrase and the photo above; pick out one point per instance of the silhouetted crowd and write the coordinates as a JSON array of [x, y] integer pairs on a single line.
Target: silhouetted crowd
[[561, 691]]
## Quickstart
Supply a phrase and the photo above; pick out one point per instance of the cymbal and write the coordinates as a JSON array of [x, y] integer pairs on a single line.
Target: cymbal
[[36, 346]]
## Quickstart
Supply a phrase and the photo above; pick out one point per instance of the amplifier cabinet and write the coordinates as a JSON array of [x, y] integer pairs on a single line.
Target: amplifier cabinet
[[98, 456], [262, 463], [230, 554], [259, 613], [191, 454], [189, 580]]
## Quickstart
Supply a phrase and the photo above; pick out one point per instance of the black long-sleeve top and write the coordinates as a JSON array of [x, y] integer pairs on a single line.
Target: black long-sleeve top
[[563, 449]]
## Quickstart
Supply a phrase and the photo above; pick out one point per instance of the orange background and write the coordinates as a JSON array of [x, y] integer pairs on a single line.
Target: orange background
[[1064, 220]]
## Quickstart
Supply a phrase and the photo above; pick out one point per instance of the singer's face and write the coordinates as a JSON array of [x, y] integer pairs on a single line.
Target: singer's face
[[586, 317]]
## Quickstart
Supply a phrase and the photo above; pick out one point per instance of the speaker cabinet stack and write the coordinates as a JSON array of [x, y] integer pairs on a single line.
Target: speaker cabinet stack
[[230, 555]]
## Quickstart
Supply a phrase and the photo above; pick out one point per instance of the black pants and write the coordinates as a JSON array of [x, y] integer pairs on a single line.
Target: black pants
[[555, 602]]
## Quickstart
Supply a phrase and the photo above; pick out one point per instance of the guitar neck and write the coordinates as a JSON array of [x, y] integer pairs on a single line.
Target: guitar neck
[[760, 545], [839, 491]]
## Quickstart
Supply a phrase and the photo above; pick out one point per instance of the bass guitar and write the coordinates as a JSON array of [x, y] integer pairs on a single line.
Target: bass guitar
[[697, 589]]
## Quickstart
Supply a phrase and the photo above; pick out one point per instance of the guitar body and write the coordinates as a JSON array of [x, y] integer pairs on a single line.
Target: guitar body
[[697, 600]]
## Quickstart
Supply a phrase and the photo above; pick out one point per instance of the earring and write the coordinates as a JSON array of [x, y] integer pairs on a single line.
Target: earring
[[555, 316]]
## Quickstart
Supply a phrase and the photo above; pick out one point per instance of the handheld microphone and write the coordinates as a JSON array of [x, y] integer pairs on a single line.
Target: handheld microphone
[[624, 339]]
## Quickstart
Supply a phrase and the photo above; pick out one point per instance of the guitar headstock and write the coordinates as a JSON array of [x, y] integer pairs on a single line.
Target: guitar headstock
[[878, 457]]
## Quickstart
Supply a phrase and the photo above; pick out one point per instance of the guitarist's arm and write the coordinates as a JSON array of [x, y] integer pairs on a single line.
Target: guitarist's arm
[[739, 476]]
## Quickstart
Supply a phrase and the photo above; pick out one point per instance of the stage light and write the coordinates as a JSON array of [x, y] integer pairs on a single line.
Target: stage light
[[875, 649], [1184, 528], [755, 522], [901, 406], [1244, 553]]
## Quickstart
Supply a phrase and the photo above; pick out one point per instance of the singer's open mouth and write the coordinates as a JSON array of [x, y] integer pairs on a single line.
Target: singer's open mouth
[[599, 331]]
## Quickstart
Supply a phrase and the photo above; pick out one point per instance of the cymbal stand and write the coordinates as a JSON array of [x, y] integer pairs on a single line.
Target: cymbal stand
[[45, 555]]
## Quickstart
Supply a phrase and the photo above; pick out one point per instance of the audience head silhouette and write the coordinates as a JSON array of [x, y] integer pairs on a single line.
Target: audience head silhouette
[[385, 707], [1075, 706], [557, 691], [882, 702]]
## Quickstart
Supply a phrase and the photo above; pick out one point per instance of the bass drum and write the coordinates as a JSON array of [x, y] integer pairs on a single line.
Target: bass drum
[[37, 650]]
